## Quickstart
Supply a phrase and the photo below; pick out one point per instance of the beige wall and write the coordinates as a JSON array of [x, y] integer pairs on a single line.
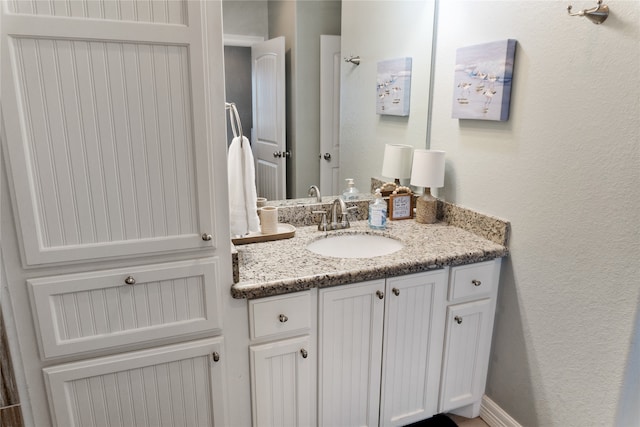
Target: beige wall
[[302, 23], [377, 31], [565, 170], [245, 17], [314, 18]]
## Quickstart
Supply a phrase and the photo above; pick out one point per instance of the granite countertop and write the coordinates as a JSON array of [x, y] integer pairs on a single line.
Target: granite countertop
[[284, 266]]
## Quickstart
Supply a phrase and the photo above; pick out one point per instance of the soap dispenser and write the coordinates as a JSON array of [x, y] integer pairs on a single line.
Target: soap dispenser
[[351, 192], [378, 212]]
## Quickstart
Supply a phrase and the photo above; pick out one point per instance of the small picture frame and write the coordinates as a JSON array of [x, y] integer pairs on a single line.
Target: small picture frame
[[401, 206]]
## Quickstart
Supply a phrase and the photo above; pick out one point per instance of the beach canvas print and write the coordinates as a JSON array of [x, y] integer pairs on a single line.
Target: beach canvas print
[[482, 84], [394, 87]]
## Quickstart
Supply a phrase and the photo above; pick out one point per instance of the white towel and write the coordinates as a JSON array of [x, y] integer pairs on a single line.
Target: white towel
[[243, 216]]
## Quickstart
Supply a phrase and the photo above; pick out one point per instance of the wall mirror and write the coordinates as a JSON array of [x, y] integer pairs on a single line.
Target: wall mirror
[[373, 30]]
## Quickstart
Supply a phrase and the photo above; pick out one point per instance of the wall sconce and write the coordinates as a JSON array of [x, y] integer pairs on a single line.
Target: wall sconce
[[427, 171]]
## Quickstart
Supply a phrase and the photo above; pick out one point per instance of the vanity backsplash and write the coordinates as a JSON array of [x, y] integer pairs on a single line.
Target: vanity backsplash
[[491, 228]]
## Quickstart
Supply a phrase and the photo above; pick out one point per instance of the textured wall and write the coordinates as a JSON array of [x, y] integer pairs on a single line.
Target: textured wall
[[377, 31], [245, 17], [313, 19], [237, 84], [565, 171]]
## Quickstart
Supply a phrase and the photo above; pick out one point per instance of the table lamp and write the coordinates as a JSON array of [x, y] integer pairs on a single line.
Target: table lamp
[[427, 171], [397, 162]]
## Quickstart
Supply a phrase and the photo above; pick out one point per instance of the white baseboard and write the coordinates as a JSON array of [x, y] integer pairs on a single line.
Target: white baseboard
[[494, 415]]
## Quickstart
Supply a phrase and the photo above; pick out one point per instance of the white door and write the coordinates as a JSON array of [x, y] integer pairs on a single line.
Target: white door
[[350, 345], [467, 343], [330, 114], [269, 118], [412, 350], [109, 128], [179, 385], [282, 390]]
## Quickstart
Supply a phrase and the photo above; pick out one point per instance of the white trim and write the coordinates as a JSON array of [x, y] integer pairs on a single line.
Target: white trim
[[241, 40], [494, 415]]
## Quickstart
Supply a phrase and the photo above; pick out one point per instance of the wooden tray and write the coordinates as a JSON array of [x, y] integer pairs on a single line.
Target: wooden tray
[[285, 231]]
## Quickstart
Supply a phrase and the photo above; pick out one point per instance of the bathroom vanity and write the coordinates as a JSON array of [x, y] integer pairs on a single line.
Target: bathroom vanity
[[387, 340]]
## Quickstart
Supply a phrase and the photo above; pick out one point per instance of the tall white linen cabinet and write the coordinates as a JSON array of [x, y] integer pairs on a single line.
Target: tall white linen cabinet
[[114, 209]]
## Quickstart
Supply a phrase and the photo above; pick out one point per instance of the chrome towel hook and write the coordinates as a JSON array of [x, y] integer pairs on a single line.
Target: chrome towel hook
[[597, 14], [353, 59]]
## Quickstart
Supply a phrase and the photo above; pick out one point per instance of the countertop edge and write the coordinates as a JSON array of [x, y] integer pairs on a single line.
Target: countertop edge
[[337, 278]]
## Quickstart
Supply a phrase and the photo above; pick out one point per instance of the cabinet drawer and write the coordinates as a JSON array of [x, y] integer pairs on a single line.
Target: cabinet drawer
[[281, 314], [84, 312], [473, 280]]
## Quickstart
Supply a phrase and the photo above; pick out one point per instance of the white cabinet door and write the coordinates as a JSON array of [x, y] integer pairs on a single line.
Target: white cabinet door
[[350, 337], [109, 129], [84, 312], [167, 386], [282, 390], [467, 345], [412, 350]]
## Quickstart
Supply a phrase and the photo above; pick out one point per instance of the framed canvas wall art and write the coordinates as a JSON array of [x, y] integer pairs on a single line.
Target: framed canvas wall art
[[482, 83]]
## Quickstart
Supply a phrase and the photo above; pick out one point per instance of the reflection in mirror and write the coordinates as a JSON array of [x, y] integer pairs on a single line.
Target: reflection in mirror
[[301, 24], [373, 30]]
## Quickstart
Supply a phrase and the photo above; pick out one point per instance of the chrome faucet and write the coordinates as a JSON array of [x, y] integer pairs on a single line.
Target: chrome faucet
[[333, 224], [343, 214], [315, 191]]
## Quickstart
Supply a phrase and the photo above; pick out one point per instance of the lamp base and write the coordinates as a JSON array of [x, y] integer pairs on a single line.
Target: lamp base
[[426, 208]]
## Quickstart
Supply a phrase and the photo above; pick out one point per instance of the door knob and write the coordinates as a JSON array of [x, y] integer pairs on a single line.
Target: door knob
[[327, 156], [280, 154]]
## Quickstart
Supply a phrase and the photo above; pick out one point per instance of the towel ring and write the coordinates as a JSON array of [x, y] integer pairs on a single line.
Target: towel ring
[[234, 119]]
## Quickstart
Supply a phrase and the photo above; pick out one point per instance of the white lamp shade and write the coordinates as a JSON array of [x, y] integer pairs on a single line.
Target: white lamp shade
[[397, 161], [428, 168]]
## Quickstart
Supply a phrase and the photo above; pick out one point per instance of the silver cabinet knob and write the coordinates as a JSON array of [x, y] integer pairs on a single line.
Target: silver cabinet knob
[[130, 280], [327, 156], [476, 282], [283, 318], [216, 356], [304, 353], [380, 294], [207, 237], [277, 154], [458, 319], [395, 291]]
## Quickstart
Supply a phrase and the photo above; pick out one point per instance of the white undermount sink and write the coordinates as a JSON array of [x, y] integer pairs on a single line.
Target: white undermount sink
[[354, 246]]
